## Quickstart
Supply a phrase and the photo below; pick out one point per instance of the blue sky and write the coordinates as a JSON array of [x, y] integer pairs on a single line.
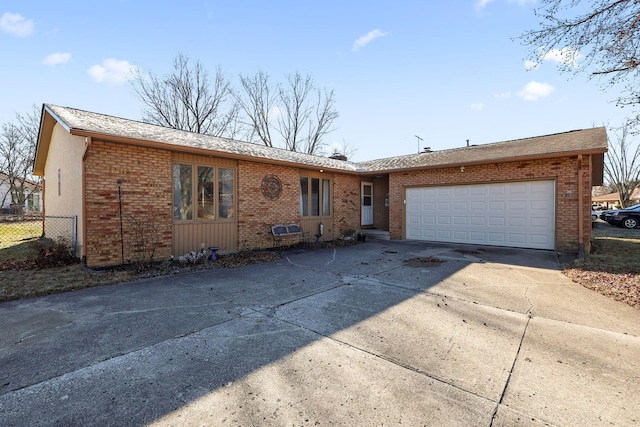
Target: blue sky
[[445, 71]]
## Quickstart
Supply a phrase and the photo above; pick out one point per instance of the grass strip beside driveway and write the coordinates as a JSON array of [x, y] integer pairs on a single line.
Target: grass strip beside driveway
[[613, 267]]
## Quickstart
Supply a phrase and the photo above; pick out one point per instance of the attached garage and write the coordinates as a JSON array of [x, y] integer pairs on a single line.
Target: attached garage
[[514, 214]]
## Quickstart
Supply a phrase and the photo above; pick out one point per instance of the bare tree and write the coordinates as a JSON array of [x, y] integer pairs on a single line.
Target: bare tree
[[257, 100], [324, 114], [300, 112], [294, 110], [18, 140], [188, 99], [622, 164], [602, 38]]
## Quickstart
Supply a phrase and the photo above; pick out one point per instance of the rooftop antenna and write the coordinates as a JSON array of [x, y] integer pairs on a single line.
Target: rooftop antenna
[[419, 139]]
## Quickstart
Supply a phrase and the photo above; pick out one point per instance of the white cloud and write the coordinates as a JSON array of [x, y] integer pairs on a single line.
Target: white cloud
[[502, 95], [531, 65], [535, 90], [566, 56], [368, 38], [57, 58], [477, 106], [16, 24], [481, 4], [112, 71]]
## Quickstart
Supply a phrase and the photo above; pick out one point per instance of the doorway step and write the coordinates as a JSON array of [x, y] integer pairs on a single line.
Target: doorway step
[[375, 234]]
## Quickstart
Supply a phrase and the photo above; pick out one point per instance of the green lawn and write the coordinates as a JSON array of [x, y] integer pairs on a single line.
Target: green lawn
[[18, 240]]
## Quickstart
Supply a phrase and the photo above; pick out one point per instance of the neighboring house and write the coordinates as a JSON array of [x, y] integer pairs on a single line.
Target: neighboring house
[[613, 199], [528, 193], [32, 197]]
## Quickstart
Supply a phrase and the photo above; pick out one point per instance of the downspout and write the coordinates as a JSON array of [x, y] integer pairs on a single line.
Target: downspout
[[580, 209], [43, 207], [83, 252]]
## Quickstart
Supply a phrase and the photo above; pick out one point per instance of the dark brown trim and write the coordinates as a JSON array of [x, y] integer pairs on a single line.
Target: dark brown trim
[[204, 151], [215, 153]]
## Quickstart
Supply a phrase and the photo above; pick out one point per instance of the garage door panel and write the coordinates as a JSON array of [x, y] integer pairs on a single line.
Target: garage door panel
[[496, 238], [414, 220], [478, 220], [477, 190], [460, 220], [444, 220], [497, 221], [444, 191], [540, 239], [497, 189], [516, 188], [508, 214], [428, 220], [539, 222], [517, 205], [459, 235], [517, 238], [477, 237], [460, 206], [517, 221], [497, 206], [444, 235]]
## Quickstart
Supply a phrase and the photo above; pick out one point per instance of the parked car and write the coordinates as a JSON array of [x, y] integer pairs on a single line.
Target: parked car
[[627, 217], [594, 215]]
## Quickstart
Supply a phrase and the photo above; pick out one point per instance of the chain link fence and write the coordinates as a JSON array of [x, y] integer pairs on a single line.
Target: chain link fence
[[23, 237]]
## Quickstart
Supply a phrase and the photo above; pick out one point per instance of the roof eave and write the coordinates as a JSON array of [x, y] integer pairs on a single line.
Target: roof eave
[[489, 161], [48, 120], [202, 151]]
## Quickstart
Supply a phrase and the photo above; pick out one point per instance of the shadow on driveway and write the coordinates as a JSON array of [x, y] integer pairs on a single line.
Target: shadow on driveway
[[354, 335]]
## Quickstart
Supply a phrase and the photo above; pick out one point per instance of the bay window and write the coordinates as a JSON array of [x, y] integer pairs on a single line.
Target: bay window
[[214, 193]]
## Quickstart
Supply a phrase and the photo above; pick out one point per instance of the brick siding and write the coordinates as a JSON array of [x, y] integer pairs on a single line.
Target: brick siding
[[346, 203], [146, 176], [256, 213], [146, 194]]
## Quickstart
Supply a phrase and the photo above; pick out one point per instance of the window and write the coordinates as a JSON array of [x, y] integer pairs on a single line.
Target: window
[[214, 190], [225, 193], [315, 197], [182, 189], [206, 195], [33, 202]]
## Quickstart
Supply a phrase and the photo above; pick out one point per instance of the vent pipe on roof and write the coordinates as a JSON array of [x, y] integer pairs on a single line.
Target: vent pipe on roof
[[338, 156], [467, 142]]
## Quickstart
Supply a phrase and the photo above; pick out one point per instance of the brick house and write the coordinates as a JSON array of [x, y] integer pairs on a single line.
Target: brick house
[[193, 189]]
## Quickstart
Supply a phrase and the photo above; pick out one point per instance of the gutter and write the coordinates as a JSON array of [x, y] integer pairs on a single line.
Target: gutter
[[357, 171], [204, 151], [580, 208]]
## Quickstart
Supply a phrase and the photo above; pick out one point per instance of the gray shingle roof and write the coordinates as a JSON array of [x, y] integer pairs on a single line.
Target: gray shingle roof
[[114, 126], [588, 140]]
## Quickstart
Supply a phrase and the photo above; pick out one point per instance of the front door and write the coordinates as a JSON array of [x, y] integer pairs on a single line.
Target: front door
[[367, 203]]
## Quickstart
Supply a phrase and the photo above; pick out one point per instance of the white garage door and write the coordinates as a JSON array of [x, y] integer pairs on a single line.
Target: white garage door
[[517, 214]]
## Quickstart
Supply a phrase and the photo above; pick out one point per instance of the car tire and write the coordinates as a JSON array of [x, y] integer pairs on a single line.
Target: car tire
[[594, 217], [630, 222]]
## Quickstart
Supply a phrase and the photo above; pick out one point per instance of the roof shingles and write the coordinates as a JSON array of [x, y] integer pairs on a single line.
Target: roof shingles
[[588, 140]]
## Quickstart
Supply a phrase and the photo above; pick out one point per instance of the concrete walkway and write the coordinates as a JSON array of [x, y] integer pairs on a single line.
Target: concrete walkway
[[374, 334]]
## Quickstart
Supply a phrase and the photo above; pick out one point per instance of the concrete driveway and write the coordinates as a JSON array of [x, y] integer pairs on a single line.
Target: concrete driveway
[[374, 334]]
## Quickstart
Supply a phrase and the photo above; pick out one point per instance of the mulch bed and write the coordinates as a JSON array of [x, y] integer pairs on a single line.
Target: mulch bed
[[623, 287]]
